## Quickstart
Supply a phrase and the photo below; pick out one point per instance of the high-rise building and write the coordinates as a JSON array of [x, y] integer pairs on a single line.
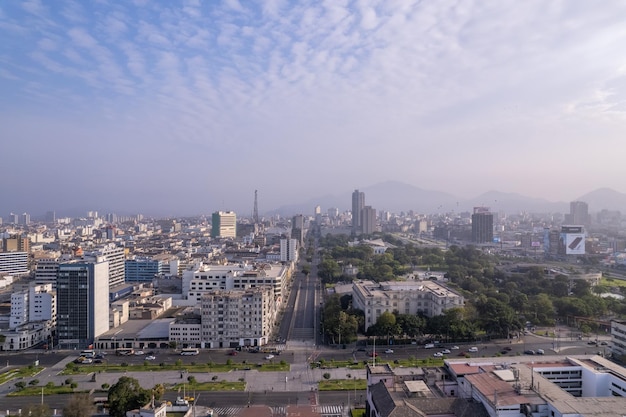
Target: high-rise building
[[14, 263], [224, 224], [297, 228], [25, 219], [358, 202], [51, 216], [82, 302], [482, 225], [143, 269], [288, 250], [116, 256], [368, 220], [13, 218], [578, 213], [16, 243]]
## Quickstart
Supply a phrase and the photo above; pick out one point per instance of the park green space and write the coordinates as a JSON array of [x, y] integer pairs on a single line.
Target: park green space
[[342, 384], [19, 373], [73, 369]]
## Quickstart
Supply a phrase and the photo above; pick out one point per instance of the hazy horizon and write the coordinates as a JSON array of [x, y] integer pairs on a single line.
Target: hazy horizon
[[188, 107]]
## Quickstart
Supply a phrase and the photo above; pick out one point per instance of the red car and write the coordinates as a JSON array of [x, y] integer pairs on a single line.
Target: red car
[[373, 354], [233, 353]]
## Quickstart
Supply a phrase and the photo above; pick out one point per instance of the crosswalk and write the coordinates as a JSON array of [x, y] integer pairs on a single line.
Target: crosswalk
[[281, 411]]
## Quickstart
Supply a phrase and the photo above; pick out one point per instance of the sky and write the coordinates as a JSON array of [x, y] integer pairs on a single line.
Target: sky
[[166, 107]]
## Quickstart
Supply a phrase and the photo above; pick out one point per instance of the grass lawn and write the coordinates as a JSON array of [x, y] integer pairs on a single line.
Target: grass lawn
[[19, 373], [393, 363], [211, 386], [32, 391], [342, 384], [613, 282], [73, 369], [358, 412]]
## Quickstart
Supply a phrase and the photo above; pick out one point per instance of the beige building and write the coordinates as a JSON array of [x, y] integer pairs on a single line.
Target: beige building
[[238, 318], [404, 297]]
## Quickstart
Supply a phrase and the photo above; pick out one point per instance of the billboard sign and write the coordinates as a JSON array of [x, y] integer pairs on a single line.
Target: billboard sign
[[573, 243]]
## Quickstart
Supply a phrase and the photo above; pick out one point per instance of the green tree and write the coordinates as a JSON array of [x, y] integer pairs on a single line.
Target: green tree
[[126, 394], [79, 405], [328, 270], [410, 324]]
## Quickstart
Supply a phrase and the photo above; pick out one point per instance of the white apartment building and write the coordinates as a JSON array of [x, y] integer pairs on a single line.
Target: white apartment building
[[186, 332], [238, 318], [206, 278], [404, 297], [618, 338], [14, 263], [116, 256], [288, 250], [32, 318]]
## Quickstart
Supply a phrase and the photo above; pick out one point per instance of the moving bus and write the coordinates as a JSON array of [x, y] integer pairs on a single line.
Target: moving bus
[[124, 351], [189, 351]]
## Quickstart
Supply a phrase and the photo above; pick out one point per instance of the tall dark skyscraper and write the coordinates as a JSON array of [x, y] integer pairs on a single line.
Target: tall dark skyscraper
[[482, 225], [358, 202]]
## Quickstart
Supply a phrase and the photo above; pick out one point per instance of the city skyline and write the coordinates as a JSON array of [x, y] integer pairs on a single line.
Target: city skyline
[[188, 107]]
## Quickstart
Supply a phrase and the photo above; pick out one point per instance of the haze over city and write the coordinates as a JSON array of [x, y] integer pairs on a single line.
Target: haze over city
[[188, 107]]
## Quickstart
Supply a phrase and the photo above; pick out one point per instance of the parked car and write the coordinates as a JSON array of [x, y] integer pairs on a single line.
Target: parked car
[[473, 349], [389, 351], [529, 352], [540, 352], [446, 351], [438, 354]]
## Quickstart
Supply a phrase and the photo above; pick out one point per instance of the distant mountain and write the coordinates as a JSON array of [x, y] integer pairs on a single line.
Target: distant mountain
[[396, 196], [604, 198], [515, 203]]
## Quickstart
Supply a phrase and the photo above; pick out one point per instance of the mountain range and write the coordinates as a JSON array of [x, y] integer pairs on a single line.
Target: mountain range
[[395, 196]]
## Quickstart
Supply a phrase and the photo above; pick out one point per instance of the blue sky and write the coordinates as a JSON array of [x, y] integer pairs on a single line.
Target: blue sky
[[188, 107]]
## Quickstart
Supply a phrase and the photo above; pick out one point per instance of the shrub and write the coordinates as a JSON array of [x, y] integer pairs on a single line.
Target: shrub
[[73, 385], [105, 386], [214, 378], [50, 385], [33, 382], [68, 381], [191, 379], [229, 362], [326, 375], [123, 364], [20, 384]]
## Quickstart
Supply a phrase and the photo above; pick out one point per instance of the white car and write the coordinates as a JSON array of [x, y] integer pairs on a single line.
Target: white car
[[454, 348], [139, 353], [445, 352], [150, 358], [268, 357], [473, 349], [438, 355], [389, 351]]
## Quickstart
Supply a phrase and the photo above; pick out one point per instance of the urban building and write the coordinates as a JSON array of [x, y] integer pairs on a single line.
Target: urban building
[[16, 243], [238, 318], [358, 202], [25, 219], [578, 213], [482, 225], [14, 263], [116, 256], [205, 278], [405, 297], [618, 339], [368, 220], [297, 228], [142, 269], [82, 307], [288, 250], [224, 224]]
